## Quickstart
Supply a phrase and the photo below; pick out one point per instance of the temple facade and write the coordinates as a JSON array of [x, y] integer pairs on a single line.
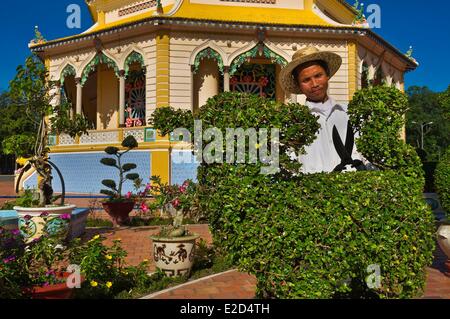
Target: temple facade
[[142, 55]]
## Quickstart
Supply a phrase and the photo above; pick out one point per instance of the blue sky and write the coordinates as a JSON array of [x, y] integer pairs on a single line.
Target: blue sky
[[424, 25]]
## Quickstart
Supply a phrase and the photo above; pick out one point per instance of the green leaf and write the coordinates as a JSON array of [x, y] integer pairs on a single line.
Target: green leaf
[[128, 167], [132, 177], [111, 150], [130, 142], [110, 183], [109, 162]]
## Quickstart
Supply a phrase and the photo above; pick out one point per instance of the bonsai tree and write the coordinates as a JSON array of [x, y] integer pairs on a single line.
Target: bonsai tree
[[178, 201], [32, 92], [115, 189]]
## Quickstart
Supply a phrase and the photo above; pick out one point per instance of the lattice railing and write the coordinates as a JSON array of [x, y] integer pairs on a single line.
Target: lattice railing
[[103, 137]]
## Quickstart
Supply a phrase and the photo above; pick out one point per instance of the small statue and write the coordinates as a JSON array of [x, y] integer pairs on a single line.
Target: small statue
[[159, 7], [38, 38], [410, 52], [360, 18]]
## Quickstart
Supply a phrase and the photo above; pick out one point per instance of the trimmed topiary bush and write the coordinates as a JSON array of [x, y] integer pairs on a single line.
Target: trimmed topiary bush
[[317, 237], [442, 181], [320, 235]]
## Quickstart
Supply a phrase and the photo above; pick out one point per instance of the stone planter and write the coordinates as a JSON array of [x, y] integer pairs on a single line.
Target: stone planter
[[36, 224], [443, 238], [174, 256]]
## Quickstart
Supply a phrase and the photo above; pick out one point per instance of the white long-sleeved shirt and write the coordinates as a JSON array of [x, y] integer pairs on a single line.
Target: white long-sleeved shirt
[[321, 155]]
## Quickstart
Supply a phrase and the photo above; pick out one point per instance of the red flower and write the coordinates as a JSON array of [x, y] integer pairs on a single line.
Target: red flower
[[248, 78], [144, 207], [263, 81], [176, 203]]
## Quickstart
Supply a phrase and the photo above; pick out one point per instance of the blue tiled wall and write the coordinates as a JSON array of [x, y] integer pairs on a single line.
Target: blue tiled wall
[[183, 171], [83, 172]]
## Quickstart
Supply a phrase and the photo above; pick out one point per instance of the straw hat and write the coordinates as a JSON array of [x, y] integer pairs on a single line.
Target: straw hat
[[308, 54]]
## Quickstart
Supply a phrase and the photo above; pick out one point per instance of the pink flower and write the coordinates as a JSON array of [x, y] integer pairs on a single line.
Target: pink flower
[[128, 195], [148, 187], [15, 232], [9, 259], [45, 214], [176, 203], [65, 217], [144, 207], [183, 189], [129, 122], [27, 217]]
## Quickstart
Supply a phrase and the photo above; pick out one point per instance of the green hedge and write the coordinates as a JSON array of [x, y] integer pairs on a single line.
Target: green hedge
[[442, 181], [313, 236], [305, 237]]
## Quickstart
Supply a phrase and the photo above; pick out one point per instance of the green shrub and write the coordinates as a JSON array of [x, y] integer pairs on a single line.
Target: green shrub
[[314, 236], [442, 181], [303, 238], [377, 114]]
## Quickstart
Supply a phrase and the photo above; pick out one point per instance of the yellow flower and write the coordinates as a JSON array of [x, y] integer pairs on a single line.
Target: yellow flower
[[145, 260], [96, 237], [22, 161], [109, 284], [109, 257], [94, 283]]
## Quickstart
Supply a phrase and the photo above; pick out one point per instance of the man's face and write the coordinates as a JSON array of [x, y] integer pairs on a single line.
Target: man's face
[[313, 82]]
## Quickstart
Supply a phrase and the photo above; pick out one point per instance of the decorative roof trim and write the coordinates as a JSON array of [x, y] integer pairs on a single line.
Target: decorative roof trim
[[156, 21]]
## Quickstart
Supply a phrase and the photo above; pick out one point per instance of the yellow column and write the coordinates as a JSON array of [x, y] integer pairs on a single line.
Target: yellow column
[[101, 18], [160, 158], [308, 4], [352, 69]]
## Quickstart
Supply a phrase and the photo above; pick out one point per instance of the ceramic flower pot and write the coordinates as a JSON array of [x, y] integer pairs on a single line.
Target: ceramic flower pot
[[119, 212], [174, 256], [31, 219], [444, 239]]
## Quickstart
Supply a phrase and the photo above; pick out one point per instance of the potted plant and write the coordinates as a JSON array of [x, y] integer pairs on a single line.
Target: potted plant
[[34, 269], [174, 246], [36, 97], [118, 206]]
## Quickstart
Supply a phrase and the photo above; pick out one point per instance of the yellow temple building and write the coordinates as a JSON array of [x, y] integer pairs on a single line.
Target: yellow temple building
[[142, 55]]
